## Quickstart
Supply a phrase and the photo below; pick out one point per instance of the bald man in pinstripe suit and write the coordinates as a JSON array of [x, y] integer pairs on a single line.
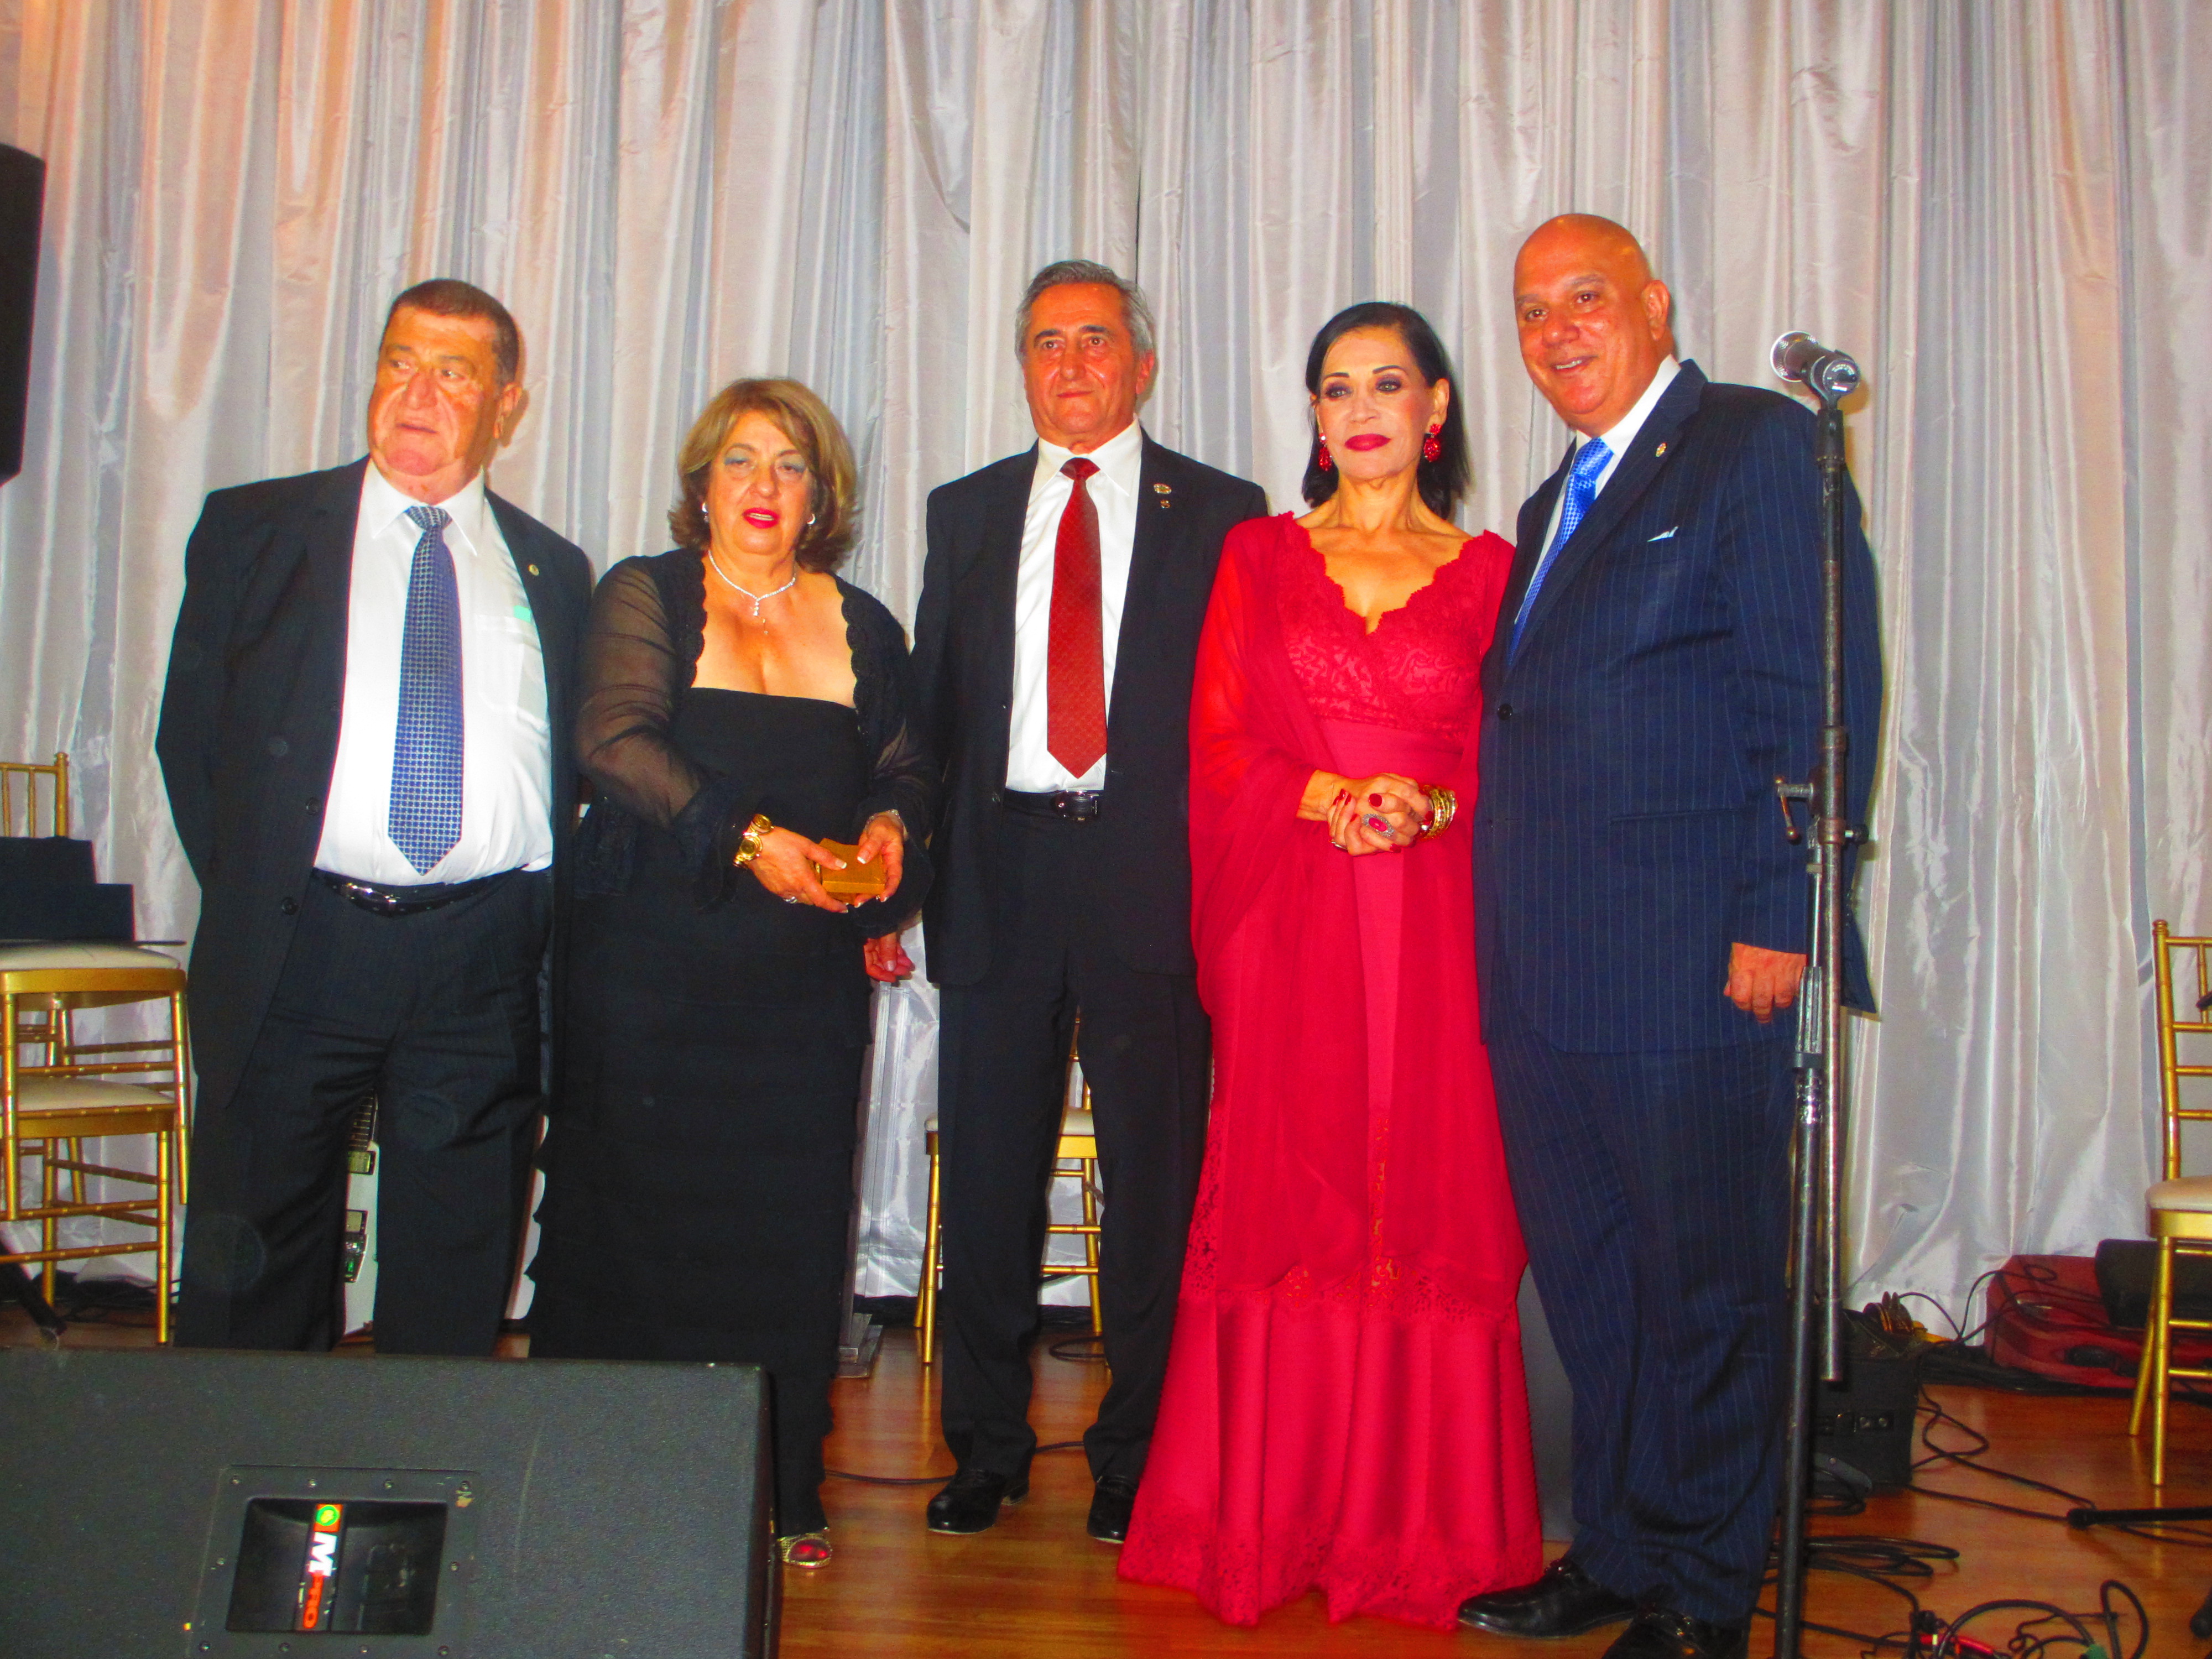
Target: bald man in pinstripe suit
[[1642, 923]]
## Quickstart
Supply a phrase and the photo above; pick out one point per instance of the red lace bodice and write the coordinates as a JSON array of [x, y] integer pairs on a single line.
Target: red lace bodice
[[1421, 670]]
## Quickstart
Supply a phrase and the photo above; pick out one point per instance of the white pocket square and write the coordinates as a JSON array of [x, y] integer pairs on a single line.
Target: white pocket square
[[1666, 532]]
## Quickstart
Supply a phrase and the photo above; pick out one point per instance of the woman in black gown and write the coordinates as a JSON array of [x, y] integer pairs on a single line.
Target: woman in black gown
[[740, 705]]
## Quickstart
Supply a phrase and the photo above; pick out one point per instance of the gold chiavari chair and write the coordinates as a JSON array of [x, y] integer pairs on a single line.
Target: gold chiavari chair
[[58, 1093], [1076, 1160], [2179, 1207]]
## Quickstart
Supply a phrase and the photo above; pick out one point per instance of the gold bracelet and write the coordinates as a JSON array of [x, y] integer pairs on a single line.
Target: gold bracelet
[[1428, 825], [748, 844], [1442, 803]]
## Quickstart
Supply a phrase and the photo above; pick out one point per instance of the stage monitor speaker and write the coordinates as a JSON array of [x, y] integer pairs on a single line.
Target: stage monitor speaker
[[190, 1504], [22, 195]]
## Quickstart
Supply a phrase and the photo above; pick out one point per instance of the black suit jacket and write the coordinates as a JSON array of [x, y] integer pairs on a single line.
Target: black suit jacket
[[1627, 832], [964, 652], [250, 719]]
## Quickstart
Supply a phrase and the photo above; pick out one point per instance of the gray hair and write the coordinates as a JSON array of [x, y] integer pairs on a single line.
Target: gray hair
[[1136, 315]]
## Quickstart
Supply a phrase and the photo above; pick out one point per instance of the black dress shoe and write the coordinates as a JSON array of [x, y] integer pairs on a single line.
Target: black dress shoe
[[1565, 1601], [972, 1498], [1662, 1633], [1109, 1509]]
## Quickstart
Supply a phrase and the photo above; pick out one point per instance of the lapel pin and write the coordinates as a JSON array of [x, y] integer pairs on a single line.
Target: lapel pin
[[1163, 491], [533, 569], [1657, 453]]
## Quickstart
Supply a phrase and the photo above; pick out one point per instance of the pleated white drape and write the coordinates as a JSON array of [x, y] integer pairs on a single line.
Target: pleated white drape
[[2002, 209]]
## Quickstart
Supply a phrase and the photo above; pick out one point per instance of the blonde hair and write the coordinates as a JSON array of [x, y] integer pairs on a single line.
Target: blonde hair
[[804, 418]]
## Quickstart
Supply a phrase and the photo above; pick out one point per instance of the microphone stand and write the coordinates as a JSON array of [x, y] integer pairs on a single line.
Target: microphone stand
[[1816, 1217]]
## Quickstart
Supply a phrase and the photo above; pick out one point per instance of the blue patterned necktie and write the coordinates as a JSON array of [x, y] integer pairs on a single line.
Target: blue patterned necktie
[[1581, 490], [425, 816]]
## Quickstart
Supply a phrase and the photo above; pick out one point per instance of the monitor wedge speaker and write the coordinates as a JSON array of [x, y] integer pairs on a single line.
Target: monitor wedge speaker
[[193, 1504]]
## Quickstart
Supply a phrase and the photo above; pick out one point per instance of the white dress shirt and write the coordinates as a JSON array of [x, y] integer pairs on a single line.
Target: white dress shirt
[[1617, 439], [1029, 762], [507, 818]]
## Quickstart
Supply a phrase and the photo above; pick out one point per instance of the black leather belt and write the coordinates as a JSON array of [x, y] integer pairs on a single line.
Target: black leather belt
[[1072, 806], [379, 900]]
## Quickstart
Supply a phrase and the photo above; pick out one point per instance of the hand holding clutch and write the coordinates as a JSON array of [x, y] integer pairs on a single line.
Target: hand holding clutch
[[856, 880]]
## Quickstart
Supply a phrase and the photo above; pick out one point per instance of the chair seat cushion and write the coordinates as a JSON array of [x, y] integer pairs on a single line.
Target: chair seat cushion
[[2192, 1193], [80, 1094], [79, 953]]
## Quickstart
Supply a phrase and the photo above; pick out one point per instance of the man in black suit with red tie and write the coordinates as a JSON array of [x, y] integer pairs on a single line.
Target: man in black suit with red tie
[[1054, 650], [1641, 921], [366, 739]]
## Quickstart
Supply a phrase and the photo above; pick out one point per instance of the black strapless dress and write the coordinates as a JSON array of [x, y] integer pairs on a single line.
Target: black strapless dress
[[699, 1154], [699, 1173]]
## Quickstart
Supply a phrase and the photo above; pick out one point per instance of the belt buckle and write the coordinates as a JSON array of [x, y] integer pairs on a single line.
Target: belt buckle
[[1078, 806], [384, 904]]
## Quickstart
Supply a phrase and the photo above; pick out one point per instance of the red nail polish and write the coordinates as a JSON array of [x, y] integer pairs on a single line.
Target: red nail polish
[[1374, 800]]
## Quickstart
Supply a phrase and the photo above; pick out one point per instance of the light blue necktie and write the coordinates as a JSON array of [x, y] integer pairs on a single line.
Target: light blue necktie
[[425, 816], [1581, 490]]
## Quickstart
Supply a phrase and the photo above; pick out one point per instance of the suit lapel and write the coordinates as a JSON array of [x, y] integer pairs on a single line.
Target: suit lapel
[[555, 643], [1630, 477], [325, 571], [1152, 556], [1528, 546], [999, 564], [327, 545]]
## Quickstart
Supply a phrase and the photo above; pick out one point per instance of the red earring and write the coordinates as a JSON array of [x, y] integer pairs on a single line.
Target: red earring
[[1431, 449], [1322, 460]]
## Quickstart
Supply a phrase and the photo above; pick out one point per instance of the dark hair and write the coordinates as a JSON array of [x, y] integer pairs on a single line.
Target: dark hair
[[449, 296], [1441, 482], [833, 490], [1136, 315]]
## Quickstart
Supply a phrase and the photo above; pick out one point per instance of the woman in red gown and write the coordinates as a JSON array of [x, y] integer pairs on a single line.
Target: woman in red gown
[[1345, 1407]]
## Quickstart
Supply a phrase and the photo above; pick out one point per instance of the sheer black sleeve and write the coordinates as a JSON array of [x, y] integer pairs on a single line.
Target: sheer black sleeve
[[641, 653], [904, 776]]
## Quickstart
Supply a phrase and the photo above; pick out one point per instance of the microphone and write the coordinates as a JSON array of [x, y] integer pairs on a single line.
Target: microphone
[[1799, 356]]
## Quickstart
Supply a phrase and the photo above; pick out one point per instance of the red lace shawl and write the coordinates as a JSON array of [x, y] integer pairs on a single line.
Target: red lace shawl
[[1279, 951]]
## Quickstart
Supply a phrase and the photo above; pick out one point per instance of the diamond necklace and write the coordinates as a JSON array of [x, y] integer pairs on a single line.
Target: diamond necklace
[[757, 598]]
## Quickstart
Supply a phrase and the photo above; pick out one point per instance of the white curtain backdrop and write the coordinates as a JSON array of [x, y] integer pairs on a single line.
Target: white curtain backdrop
[[2003, 210]]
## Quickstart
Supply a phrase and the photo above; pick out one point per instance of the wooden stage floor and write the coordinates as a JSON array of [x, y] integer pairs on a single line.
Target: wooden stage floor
[[1034, 1585]]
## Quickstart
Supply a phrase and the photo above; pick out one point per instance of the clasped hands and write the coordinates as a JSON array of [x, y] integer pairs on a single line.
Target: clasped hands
[[1384, 813]]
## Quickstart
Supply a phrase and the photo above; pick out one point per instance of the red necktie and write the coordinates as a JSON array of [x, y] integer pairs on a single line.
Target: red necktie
[[1075, 671]]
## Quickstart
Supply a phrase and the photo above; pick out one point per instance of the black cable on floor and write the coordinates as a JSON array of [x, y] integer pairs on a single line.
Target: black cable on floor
[[1879, 1560], [2169, 1532]]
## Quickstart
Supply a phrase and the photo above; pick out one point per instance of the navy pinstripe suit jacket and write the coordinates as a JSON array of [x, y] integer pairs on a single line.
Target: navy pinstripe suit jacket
[[1627, 831]]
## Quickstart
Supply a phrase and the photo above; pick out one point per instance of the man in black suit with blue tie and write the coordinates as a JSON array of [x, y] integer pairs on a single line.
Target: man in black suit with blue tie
[[366, 735], [1642, 922]]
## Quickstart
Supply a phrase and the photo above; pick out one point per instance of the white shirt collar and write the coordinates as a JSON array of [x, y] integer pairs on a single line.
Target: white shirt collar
[[1622, 432], [1120, 458], [382, 505]]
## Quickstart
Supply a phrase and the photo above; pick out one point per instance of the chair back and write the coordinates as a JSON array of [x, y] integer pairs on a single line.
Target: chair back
[[2184, 1011], [20, 790]]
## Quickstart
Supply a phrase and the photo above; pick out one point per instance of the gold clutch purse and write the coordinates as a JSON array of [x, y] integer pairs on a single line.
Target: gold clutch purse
[[855, 880]]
